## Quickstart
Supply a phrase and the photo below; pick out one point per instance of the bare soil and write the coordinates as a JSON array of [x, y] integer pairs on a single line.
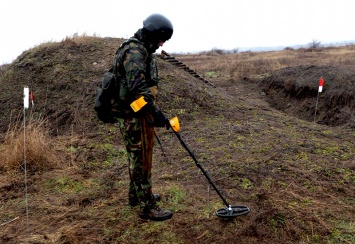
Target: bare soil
[[256, 137]]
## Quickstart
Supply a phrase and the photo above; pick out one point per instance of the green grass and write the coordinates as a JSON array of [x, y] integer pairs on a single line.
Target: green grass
[[344, 232], [64, 184]]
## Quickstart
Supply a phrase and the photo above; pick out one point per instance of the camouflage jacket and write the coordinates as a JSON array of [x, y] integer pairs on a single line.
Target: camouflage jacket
[[139, 70]]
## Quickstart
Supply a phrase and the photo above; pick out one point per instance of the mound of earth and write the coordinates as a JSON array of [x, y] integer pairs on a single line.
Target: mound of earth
[[63, 77]]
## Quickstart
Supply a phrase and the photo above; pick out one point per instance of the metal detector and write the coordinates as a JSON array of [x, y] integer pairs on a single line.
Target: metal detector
[[227, 212]]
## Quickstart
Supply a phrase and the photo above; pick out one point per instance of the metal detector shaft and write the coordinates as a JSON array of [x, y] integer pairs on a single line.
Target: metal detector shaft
[[200, 166]]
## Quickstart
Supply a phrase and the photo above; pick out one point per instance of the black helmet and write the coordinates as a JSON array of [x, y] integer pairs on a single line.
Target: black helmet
[[158, 28]]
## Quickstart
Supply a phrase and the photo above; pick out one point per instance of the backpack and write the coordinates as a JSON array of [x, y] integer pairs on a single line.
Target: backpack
[[111, 95], [104, 96]]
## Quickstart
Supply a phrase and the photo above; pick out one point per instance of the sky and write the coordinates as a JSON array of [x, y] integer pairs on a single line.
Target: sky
[[199, 25]]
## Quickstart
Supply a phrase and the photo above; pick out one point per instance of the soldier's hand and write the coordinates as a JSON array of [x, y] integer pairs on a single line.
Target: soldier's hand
[[160, 120]]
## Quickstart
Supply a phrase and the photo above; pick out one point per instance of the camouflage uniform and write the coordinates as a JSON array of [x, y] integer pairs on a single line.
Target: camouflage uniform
[[138, 67]]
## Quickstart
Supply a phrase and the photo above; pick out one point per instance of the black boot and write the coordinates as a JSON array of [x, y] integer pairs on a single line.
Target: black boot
[[155, 213]]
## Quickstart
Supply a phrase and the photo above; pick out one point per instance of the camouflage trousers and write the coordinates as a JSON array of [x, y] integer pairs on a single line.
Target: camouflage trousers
[[138, 136]]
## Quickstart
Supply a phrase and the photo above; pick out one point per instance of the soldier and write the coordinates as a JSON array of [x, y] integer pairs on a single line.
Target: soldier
[[138, 70]]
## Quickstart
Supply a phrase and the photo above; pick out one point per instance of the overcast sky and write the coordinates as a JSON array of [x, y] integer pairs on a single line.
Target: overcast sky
[[199, 25]]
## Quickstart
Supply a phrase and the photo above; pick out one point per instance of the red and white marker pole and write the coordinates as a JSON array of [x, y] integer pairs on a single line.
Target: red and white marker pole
[[27, 97], [320, 89], [321, 83], [26, 100]]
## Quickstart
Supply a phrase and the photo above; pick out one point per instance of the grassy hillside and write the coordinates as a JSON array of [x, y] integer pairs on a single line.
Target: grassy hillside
[[254, 133]]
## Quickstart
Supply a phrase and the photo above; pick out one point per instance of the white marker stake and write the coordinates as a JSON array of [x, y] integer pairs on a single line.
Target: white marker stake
[[26, 97], [26, 102]]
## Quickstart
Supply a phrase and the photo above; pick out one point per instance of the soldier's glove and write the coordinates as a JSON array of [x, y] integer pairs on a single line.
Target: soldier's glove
[[160, 120]]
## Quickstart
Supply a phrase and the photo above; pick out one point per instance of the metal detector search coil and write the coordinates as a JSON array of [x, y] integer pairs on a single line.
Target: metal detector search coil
[[232, 211]]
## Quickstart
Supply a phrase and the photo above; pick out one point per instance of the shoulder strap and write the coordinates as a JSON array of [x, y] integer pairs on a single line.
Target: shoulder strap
[[114, 65]]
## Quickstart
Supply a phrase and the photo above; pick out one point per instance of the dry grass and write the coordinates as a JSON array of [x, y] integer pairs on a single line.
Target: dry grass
[[36, 144]]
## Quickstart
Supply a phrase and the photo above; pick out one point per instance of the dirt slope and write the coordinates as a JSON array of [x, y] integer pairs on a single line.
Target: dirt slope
[[296, 176]]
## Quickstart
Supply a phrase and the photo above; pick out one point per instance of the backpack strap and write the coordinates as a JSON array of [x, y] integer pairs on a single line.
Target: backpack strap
[[114, 65]]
